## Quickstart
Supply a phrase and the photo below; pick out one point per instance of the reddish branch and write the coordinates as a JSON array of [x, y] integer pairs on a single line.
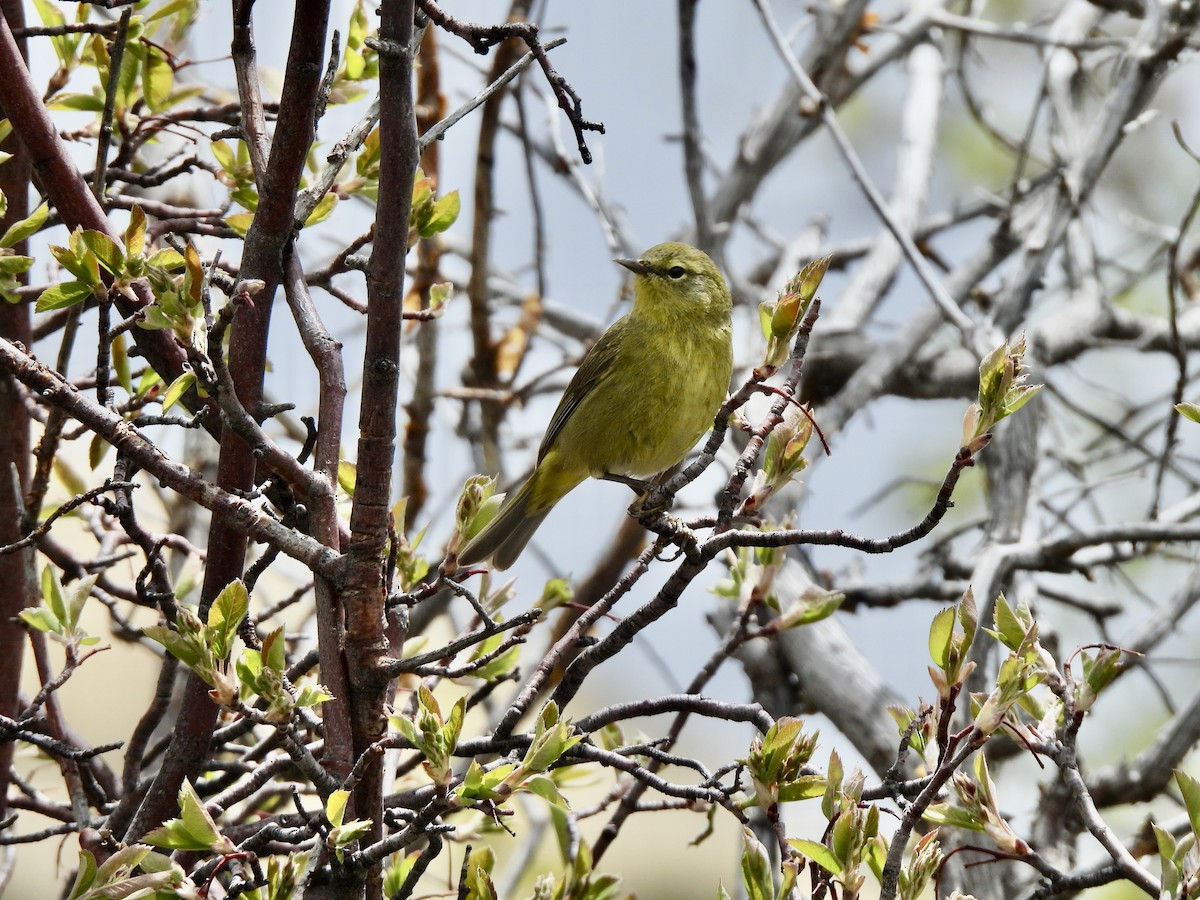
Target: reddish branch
[[267, 241], [364, 596], [17, 572]]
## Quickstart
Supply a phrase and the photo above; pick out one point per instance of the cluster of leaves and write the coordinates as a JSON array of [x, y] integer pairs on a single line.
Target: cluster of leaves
[[360, 62], [206, 648], [100, 265], [778, 765], [60, 610], [852, 847], [196, 831], [1033, 699], [1003, 389], [431, 215], [751, 580], [147, 77], [541, 770], [780, 320]]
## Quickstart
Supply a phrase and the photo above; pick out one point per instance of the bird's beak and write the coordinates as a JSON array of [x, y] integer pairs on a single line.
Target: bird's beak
[[636, 266]]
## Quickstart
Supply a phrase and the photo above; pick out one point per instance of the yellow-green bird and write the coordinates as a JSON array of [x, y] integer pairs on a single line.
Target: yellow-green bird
[[642, 397]]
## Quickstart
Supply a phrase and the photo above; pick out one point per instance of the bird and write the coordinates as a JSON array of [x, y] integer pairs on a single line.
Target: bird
[[642, 396]]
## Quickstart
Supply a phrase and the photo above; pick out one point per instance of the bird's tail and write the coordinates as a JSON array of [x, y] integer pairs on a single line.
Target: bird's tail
[[505, 536]]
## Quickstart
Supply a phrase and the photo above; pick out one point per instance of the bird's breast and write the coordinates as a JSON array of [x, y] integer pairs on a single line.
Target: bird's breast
[[648, 415]]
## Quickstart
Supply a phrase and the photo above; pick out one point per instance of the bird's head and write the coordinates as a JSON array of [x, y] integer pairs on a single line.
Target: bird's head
[[674, 277]]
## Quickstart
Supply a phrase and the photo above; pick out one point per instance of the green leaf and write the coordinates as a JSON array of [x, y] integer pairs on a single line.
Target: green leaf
[[85, 875], [195, 817], [1187, 410], [71, 479], [78, 260], [756, 868], [173, 835], [120, 361], [225, 156], [123, 861], [1189, 788], [834, 773], [147, 382], [18, 231], [312, 695], [804, 787], [246, 196], [968, 616], [194, 274], [322, 211], [62, 296], [169, 9], [97, 449], [52, 594], [478, 784], [407, 729], [818, 853], [178, 388], [92, 103], [1019, 396], [274, 651], [105, 249], [194, 830], [344, 835], [127, 78], [11, 264], [500, 666], [157, 79], [176, 644], [240, 222], [335, 807], [439, 293], [355, 64], [75, 595], [356, 31], [225, 616], [167, 259], [552, 738], [135, 232], [445, 212], [1172, 871], [249, 666], [347, 473], [52, 16], [546, 789], [40, 619], [1098, 673], [955, 816], [941, 634], [1009, 627], [810, 608]]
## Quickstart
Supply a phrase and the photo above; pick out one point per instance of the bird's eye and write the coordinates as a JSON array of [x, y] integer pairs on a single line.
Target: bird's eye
[[676, 271]]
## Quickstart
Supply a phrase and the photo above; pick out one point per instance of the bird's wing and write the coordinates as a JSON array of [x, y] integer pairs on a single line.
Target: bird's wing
[[596, 364]]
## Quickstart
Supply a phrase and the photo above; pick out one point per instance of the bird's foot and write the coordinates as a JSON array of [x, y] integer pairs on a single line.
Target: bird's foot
[[652, 504]]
